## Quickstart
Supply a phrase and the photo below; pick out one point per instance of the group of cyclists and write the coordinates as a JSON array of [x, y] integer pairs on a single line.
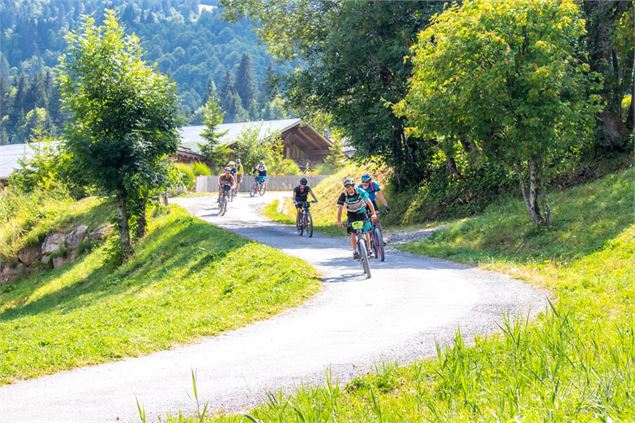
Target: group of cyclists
[[233, 174], [360, 201]]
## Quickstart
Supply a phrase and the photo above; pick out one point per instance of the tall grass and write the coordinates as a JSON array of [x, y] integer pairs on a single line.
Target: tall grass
[[575, 363]]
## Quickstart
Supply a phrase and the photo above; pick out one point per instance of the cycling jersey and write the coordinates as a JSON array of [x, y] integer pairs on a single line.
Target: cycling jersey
[[226, 179], [302, 195], [355, 203], [240, 169], [234, 170], [262, 170], [372, 188]]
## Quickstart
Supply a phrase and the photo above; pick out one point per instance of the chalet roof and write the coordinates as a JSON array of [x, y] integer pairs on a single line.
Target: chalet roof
[[191, 135], [11, 154]]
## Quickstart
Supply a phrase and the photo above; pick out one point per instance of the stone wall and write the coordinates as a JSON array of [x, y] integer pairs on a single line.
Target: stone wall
[[57, 250]]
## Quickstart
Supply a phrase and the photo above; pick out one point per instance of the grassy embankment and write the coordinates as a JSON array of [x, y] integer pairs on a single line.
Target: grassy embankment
[[187, 279], [575, 363]]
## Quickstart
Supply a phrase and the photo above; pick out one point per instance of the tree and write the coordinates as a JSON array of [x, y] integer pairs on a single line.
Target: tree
[[335, 160], [506, 77], [615, 64], [123, 117], [214, 152], [246, 81], [353, 68]]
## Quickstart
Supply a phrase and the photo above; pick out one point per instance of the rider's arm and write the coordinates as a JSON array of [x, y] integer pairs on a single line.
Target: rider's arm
[[339, 215], [382, 198], [313, 195], [371, 207]]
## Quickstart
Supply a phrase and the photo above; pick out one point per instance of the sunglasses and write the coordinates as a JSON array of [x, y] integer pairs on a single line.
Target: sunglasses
[[348, 185]]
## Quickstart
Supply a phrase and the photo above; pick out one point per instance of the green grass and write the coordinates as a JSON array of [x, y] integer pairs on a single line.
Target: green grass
[[187, 279], [575, 363], [26, 219]]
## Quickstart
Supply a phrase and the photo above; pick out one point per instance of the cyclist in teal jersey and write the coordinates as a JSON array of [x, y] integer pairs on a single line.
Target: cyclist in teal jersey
[[357, 202]]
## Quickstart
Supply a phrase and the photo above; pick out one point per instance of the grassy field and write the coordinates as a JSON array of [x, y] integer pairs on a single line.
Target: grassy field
[[575, 363], [187, 279]]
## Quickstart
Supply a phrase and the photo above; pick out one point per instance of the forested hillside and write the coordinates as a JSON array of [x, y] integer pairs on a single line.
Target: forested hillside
[[189, 41]]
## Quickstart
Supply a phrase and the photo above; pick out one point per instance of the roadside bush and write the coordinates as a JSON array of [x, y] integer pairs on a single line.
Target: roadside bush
[[201, 169], [186, 178], [49, 166]]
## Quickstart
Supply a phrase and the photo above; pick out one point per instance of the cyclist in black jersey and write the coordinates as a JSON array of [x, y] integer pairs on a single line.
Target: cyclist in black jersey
[[300, 196]]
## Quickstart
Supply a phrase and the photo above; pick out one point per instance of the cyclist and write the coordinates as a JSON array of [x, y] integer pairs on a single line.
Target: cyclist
[[356, 201], [226, 181], [373, 190], [300, 196], [261, 172], [240, 171]]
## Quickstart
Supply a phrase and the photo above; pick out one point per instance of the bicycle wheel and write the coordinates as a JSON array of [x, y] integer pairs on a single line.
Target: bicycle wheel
[[363, 252], [223, 205], [309, 224], [379, 243], [253, 190], [301, 226], [263, 189]]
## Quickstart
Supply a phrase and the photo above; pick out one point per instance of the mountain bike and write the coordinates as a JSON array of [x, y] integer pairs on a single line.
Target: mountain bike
[[362, 248], [377, 238], [306, 220], [260, 187], [224, 199]]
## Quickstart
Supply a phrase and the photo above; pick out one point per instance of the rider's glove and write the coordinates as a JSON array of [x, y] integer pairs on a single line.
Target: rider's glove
[[386, 209]]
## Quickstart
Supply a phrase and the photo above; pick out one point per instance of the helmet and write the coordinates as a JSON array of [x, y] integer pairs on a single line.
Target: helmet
[[349, 181], [303, 181], [366, 177], [227, 169], [231, 163], [238, 161], [262, 162]]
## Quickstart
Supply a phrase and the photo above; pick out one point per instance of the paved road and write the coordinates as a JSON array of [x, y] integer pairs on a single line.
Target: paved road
[[410, 303]]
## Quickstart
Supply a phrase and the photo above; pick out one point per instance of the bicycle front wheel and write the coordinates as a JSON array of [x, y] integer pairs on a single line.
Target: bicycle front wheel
[[253, 190], [363, 252], [379, 244], [223, 205], [263, 189], [309, 225]]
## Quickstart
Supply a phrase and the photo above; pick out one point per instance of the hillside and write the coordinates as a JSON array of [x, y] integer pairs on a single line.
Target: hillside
[[193, 44], [573, 364], [187, 279]]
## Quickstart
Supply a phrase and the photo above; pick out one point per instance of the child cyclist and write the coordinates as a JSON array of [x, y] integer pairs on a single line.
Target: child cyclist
[[357, 202]]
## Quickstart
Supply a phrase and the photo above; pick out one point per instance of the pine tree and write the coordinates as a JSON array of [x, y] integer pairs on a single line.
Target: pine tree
[[210, 91], [213, 151], [246, 81], [225, 92]]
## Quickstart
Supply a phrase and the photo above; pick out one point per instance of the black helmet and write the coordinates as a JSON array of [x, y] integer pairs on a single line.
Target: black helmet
[[303, 181]]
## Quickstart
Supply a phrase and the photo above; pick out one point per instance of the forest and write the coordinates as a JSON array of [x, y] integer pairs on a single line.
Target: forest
[[188, 40]]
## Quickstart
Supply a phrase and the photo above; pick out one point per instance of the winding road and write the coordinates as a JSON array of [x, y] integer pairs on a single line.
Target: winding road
[[352, 324]]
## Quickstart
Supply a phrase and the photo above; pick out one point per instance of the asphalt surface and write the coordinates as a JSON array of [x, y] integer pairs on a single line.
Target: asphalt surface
[[410, 303]]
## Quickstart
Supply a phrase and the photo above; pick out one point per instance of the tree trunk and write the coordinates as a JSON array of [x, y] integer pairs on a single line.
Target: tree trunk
[[602, 17], [122, 224], [142, 221], [531, 198], [450, 164]]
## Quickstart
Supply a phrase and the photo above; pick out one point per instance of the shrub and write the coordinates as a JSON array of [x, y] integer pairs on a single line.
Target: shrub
[[201, 169]]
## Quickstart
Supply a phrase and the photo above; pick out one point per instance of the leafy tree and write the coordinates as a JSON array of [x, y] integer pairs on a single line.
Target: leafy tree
[[213, 150], [245, 81], [124, 117], [352, 54], [504, 76]]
